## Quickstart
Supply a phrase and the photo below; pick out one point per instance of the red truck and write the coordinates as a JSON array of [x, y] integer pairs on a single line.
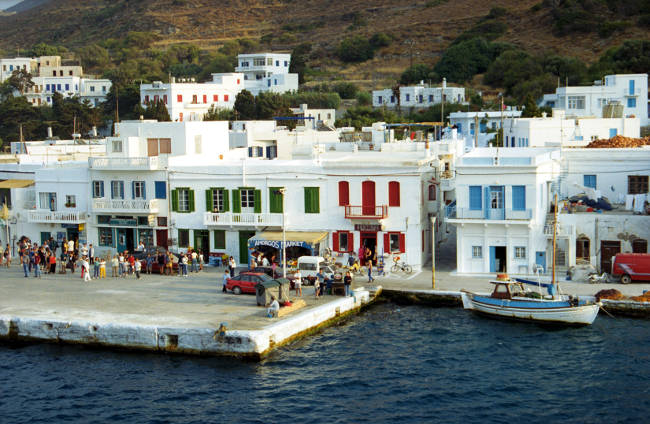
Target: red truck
[[631, 267]]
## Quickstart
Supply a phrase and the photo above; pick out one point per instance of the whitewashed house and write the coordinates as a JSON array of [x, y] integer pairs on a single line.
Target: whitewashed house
[[418, 96], [187, 100], [487, 122], [502, 200], [628, 90]]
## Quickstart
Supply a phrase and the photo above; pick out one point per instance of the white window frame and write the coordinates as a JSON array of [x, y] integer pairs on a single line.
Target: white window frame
[[393, 242], [183, 200], [247, 196], [576, 102], [477, 252], [117, 190], [217, 200], [97, 189], [496, 199], [520, 252], [117, 146], [138, 189]]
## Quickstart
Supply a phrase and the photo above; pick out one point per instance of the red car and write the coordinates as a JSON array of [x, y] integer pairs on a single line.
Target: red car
[[246, 282]]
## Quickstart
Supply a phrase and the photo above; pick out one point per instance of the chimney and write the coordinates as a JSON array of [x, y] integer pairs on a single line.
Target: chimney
[[49, 132]]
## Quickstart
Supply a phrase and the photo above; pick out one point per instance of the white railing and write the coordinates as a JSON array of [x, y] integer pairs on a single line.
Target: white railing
[[496, 214], [137, 205], [146, 163], [55, 217], [447, 183], [562, 230], [243, 219]]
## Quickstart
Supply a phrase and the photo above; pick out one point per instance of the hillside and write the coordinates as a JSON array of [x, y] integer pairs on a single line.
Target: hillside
[[422, 30]]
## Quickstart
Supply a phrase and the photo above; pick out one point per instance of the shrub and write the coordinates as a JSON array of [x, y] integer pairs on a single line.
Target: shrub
[[355, 49], [416, 73], [346, 90], [364, 98]]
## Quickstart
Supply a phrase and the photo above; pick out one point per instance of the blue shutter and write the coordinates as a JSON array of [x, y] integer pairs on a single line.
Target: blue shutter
[[590, 181], [631, 87], [144, 190], [518, 198], [101, 189], [250, 152], [486, 201], [161, 189], [475, 198], [132, 189], [612, 132]]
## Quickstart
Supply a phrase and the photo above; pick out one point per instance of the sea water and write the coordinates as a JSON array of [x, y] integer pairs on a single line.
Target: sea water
[[390, 364]]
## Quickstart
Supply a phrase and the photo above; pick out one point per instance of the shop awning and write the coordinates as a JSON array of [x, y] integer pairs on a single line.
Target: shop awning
[[294, 238], [16, 183]]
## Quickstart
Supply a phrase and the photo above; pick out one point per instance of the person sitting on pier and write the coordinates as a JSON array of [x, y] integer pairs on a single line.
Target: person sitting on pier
[[273, 310]]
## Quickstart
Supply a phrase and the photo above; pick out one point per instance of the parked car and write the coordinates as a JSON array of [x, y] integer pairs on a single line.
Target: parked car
[[309, 266], [631, 267], [246, 282], [155, 268]]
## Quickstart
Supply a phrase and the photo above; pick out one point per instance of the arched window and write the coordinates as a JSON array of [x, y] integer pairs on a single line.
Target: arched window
[[344, 193], [432, 192], [393, 193]]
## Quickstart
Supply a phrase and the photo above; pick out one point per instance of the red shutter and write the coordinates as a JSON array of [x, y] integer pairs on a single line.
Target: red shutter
[[205, 98], [179, 98], [225, 97], [350, 242], [393, 193], [335, 241], [165, 98], [146, 99], [344, 193], [402, 243], [215, 98], [237, 80], [387, 243]]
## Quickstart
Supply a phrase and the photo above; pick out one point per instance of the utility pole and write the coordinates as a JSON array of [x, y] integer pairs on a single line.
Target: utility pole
[[502, 129], [433, 252]]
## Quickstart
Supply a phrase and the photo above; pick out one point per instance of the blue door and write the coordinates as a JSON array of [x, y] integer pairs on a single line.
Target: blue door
[[493, 259], [496, 205], [121, 239], [540, 259], [612, 132]]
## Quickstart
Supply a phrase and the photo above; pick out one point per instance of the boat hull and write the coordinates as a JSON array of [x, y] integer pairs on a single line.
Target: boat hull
[[551, 312]]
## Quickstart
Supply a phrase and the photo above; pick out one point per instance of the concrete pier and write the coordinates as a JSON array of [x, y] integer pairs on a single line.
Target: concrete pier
[[156, 313]]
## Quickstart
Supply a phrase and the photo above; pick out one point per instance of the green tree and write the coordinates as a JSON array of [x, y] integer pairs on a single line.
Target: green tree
[[245, 108], [218, 114], [355, 49], [269, 105], [17, 111], [530, 108], [94, 56], [346, 90], [510, 68], [299, 56], [418, 72], [380, 39], [124, 95], [43, 49], [460, 62], [21, 80], [157, 110]]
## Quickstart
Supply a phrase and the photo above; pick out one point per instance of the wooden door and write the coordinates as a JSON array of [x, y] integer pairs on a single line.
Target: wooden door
[[161, 238], [368, 198], [608, 249]]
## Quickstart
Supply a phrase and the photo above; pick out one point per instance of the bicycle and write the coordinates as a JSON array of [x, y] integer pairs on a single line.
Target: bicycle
[[400, 266]]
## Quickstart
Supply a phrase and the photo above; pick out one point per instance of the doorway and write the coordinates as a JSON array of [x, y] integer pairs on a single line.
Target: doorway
[[497, 210], [369, 240], [72, 234], [540, 259], [368, 199], [161, 238], [608, 249], [498, 259], [582, 249], [243, 246], [202, 241], [125, 239]]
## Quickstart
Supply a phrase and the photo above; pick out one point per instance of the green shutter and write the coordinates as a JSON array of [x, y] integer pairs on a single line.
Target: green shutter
[[175, 200], [275, 200], [226, 201], [257, 198], [208, 200], [312, 203], [191, 200], [219, 239], [236, 201]]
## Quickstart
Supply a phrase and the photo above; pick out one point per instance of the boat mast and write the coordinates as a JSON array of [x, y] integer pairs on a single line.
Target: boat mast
[[554, 235]]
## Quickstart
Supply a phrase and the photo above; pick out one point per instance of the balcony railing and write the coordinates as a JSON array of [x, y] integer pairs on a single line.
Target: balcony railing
[[56, 217], [127, 164], [366, 212], [495, 214], [132, 206], [450, 210], [447, 182], [562, 230], [242, 219]]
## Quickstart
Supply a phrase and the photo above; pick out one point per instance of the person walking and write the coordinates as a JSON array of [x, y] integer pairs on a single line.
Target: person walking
[[347, 280], [7, 255], [232, 265], [169, 263], [85, 266], [102, 267], [184, 265], [122, 269], [226, 276], [137, 266], [95, 264], [37, 266], [115, 263], [53, 263], [24, 260], [132, 262], [195, 261], [319, 284], [91, 254], [370, 278], [70, 247], [149, 262], [298, 283], [161, 262]]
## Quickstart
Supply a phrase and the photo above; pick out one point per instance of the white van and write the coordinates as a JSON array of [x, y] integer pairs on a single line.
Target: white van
[[310, 265]]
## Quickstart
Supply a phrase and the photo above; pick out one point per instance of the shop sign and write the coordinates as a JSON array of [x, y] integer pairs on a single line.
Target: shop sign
[[123, 222], [71, 226], [367, 227], [277, 244]]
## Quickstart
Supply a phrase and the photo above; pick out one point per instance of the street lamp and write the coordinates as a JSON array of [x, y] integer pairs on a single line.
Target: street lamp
[[281, 192]]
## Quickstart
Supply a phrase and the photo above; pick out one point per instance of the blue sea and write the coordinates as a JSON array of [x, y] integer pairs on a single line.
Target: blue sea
[[390, 364]]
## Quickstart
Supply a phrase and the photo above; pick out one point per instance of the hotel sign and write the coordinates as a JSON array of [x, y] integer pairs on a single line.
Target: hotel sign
[[367, 227]]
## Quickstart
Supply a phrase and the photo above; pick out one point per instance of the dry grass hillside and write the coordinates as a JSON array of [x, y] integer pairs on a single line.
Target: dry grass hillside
[[422, 29]]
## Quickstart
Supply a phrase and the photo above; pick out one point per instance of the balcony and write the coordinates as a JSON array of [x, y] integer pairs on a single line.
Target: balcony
[[55, 217], [562, 230], [152, 163], [365, 212], [447, 181], [126, 206], [494, 214], [230, 219], [450, 210]]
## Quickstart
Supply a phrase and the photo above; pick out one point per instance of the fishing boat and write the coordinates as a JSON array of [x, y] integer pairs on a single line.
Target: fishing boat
[[511, 300]]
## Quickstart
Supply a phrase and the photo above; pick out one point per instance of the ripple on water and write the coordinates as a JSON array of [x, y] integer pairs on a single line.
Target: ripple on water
[[388, 364]]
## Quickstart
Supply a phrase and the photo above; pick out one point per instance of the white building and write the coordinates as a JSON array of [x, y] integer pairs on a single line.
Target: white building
[[502, 200], [558, 130], [317, 117], [418, 96], [9, 65], [487, 122], [629, 90], [187, 100]]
